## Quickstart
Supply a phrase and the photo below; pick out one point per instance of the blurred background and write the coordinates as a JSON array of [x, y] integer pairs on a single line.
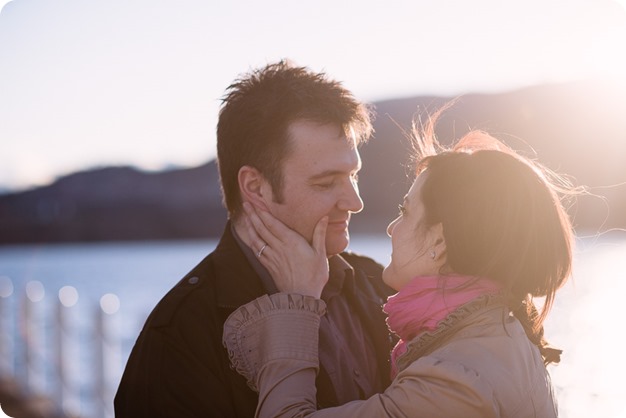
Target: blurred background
[[108, 184]]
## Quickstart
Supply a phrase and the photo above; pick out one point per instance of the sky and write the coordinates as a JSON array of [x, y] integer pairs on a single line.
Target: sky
[[138, 82]]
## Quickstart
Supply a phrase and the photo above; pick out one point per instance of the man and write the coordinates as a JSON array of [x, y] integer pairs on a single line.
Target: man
[[287, 141]]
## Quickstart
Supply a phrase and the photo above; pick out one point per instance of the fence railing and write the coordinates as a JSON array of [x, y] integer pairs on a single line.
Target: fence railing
[[51, 348]]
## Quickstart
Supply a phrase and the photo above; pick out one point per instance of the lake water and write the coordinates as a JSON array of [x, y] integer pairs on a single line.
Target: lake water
[[128, 279]]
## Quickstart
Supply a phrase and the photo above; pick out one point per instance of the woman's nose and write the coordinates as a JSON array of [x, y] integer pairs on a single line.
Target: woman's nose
[[391, 226]]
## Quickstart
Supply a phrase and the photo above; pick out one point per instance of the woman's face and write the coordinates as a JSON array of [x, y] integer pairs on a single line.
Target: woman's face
[[416, 250]]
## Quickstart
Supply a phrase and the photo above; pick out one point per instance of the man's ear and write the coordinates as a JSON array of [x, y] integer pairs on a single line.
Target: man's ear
[[253, 187]]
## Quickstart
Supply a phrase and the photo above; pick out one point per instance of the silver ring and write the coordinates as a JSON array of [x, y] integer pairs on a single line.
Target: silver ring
[[260, 253]]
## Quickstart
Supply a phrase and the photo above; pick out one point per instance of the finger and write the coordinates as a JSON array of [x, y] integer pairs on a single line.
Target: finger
[[256, 242], [275, 226], [268, 261], [254, 237], [319, 236], [259, 226]]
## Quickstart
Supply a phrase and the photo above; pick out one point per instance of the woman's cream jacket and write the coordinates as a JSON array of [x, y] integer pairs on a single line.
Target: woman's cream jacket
[[478, 363]]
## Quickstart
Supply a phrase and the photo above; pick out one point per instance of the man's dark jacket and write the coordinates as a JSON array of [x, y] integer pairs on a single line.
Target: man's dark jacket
[[179, 367]]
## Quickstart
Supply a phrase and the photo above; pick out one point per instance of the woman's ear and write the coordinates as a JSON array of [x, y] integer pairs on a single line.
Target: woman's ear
[[439, 242], [253, 187]]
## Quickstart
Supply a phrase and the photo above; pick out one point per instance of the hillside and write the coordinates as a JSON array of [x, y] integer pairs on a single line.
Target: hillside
[[578, 129]]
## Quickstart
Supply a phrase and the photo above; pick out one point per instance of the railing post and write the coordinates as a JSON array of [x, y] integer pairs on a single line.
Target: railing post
[[7, 321], [68, 296], [30, 338], [59, 353], [30, 376], [99, 386], [107, 355]]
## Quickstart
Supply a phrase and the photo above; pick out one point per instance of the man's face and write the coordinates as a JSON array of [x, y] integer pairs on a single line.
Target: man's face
[[319, 178]]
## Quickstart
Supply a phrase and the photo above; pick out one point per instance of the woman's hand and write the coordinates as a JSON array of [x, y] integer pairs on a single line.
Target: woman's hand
[[295, 265]]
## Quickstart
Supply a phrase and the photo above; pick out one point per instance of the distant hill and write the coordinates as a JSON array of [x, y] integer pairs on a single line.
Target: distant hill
[[116, 203], [575, 128]]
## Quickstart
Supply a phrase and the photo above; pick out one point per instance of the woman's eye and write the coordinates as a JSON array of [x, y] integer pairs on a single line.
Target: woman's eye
[[402, 209]]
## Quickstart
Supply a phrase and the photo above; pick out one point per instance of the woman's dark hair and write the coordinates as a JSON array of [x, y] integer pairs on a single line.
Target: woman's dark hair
[[502, 218]]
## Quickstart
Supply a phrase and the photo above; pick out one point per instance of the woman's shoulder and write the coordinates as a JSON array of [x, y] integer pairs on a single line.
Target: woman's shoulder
[[482, 331], [490, 356], [475, 372], [485, 316]]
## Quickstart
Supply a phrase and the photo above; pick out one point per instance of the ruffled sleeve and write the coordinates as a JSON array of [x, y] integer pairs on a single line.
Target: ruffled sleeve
[[273, 327]]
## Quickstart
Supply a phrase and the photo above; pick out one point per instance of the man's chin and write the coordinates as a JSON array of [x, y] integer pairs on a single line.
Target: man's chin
[[337, 244]]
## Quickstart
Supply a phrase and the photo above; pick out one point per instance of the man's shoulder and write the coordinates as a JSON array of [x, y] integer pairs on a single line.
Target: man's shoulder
[[187, 297], [358, 261], [222, 281], [368, 273]]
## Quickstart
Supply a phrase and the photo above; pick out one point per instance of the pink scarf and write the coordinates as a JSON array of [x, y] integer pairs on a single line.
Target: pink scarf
[[427, 300]]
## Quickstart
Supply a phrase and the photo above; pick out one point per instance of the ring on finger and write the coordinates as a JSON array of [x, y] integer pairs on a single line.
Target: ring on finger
[[260, 253]]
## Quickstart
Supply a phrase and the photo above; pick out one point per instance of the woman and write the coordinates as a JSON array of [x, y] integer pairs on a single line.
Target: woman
[[480, 233]]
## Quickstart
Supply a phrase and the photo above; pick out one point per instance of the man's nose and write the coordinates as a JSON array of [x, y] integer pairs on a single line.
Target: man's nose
[[351, 199]]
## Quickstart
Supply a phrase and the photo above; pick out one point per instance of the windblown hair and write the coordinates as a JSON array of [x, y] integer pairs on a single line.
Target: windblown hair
[[257, 110], [503, 218]]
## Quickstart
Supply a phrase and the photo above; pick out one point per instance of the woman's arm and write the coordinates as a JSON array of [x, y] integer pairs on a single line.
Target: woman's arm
[[272, 342]]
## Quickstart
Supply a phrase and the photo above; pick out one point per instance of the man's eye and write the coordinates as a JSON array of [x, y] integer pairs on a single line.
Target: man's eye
[[355, 178], [402, 209], [326, 185]]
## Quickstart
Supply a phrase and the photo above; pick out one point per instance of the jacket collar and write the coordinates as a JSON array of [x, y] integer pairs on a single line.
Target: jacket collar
[[259, 269], [236, 281]]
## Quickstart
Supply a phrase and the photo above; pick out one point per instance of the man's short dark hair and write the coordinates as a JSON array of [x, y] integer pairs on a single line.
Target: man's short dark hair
[[258, 109]]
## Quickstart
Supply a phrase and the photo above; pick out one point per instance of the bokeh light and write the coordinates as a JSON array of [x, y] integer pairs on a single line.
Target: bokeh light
[[6, 287], [110, 303], [68, 295], [35, 291]]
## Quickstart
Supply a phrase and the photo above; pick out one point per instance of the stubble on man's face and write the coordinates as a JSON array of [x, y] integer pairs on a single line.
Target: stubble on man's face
[[319, 179]]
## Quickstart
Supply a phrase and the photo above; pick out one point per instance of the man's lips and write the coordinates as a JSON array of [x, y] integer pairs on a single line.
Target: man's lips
[[341, 223]]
